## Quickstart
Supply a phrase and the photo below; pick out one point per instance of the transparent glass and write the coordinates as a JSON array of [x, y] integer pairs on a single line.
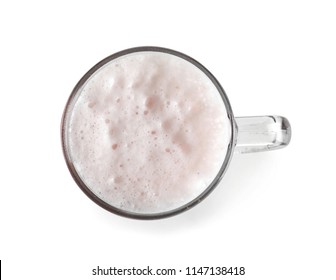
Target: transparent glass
[[247, 135], [262, 133]]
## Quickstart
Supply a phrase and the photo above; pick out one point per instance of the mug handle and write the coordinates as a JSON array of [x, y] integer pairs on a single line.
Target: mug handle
[[262, 133]]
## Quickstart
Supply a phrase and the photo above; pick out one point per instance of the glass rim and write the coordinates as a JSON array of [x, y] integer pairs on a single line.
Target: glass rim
[[146, 216]]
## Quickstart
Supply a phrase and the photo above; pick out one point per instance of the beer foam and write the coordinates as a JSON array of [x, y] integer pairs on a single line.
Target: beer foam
[[148, 132]]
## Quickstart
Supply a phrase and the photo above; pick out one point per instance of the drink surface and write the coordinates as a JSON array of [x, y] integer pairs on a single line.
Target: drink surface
[[148, 132]]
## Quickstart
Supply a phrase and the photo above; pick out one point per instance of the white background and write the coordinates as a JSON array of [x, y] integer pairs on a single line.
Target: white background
[[273, 213]]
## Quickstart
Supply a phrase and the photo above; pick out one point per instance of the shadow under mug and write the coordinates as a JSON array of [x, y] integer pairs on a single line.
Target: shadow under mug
[[248, 135]]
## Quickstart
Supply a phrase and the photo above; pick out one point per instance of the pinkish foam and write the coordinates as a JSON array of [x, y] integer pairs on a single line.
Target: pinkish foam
[[148, 132]]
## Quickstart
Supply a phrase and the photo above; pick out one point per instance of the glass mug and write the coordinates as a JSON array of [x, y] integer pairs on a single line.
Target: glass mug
[[149, 132]]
